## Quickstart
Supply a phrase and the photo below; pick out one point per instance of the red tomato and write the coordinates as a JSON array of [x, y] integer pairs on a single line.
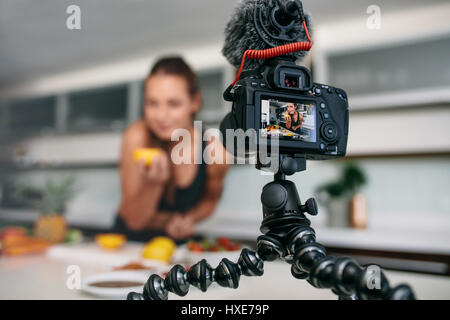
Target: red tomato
[[233, 247], [12, 232], [198, 249], [223, 241]]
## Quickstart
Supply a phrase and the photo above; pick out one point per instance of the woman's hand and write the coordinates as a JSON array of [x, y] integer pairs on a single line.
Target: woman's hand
[[288, 120], [159, 170], [180, 226]]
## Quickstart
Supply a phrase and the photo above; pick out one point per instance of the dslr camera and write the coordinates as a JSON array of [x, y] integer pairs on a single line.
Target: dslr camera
[[280, 100]]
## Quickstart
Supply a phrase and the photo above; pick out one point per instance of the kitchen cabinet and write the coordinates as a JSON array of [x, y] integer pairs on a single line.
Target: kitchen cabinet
[[397, 80], [385, 69]]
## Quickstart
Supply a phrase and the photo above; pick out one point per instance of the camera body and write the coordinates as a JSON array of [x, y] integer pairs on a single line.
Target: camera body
[[280, 99]]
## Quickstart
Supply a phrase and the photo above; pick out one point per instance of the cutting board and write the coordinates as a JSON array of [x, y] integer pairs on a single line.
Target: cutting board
[[91, 253]]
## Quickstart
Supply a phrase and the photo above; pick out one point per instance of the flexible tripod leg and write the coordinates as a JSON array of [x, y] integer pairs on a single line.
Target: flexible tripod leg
[[201, 275], [343, 275], [309, 261], [287, 234]]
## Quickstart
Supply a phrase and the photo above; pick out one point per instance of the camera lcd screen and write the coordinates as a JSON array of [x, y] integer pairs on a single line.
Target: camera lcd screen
[[288, 120]]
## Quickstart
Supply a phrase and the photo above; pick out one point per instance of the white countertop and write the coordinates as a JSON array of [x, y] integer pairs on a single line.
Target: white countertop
[[42, 277]]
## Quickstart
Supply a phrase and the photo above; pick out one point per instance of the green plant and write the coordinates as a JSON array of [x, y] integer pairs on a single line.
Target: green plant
[[56, 195], [333, 189], [352, 178]]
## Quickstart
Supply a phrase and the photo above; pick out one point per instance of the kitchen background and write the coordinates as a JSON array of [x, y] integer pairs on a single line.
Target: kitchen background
[[66, 96]]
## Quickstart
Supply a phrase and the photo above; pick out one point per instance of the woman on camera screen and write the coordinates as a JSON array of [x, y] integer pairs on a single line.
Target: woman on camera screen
[[294, 119], [160, 197]]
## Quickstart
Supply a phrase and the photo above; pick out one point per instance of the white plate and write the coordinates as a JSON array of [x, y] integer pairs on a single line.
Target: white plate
[[115, 293]]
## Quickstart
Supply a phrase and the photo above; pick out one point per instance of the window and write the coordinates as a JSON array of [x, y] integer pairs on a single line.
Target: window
[[32, 116], [98, 109], [212, 87]]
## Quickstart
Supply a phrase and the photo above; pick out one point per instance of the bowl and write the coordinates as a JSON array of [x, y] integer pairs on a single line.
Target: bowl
[[102, 284]]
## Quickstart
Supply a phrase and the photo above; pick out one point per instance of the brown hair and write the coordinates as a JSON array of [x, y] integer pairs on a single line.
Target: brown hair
[[176, 66]]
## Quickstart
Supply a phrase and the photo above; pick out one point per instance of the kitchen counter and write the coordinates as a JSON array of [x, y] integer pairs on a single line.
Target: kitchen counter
[[434, 238], [43, 277], [412, 246], [398, 233]]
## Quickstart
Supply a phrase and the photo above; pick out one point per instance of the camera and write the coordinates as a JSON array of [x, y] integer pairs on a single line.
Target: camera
[[280, 100]]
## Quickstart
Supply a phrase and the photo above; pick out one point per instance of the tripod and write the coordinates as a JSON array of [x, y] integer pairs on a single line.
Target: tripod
[[286, 234]]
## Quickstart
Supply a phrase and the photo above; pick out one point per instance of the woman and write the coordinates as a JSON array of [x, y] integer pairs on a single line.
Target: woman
[[294, 119], [164, 198]]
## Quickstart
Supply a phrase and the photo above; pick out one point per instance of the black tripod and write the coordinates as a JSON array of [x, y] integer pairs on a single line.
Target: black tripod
[[287, 235]]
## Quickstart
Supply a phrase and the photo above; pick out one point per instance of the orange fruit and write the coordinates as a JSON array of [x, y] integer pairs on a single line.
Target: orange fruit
[[110, 240], [147, 154], [159, 248]]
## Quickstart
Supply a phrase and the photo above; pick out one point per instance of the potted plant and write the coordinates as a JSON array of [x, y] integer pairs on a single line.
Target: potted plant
[[52, 225], [345, 205]]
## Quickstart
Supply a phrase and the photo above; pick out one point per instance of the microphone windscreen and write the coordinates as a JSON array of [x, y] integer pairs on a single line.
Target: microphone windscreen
[[252, 26]]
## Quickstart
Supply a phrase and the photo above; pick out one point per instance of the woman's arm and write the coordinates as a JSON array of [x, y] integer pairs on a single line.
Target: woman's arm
[[142, 187], [213, 190], [215, 176], [182, 226], [159, 220]]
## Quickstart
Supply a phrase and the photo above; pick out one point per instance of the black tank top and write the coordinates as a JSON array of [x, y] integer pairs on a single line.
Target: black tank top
[[295, 123], [184, 200]]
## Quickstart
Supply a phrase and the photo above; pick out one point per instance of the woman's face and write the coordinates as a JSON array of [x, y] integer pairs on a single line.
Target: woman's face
[[291, 108], [168, 104]]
